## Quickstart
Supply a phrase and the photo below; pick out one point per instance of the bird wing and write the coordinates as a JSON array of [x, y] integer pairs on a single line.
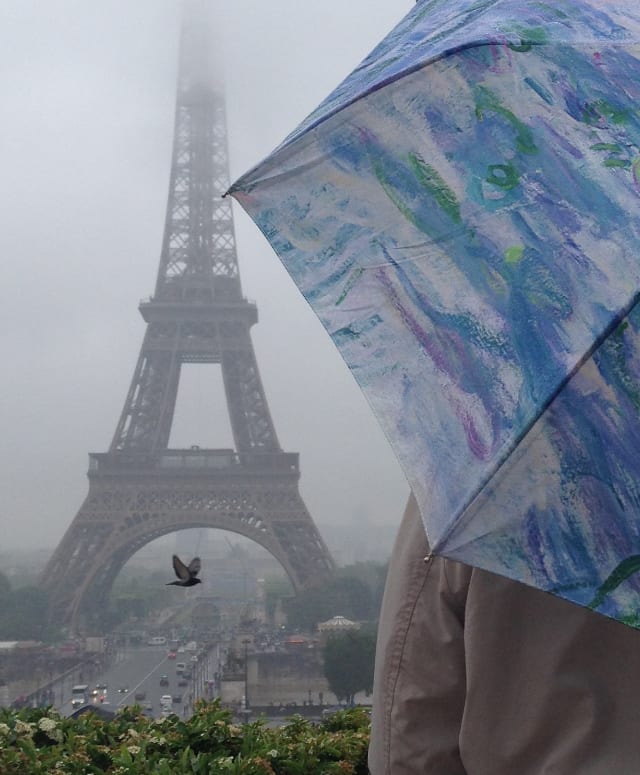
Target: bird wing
[[194, 566], [182, 572]]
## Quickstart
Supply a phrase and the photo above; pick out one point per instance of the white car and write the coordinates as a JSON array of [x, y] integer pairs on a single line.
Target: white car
[[166, 701]]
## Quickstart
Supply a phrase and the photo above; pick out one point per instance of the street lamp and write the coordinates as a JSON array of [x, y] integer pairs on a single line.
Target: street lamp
[[245, 643]]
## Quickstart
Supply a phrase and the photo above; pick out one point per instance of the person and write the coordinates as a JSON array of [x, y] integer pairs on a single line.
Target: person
[[477, 674]]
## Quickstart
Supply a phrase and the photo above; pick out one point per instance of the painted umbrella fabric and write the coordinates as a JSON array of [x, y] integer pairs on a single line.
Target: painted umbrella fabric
[[463, 215]]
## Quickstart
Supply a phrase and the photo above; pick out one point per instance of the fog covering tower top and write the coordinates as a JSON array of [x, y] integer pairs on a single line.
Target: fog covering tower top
[[141, 489], [199, 243]]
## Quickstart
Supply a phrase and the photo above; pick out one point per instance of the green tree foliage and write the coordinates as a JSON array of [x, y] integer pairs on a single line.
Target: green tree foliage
[[373, 574], [344, 596], [348, 663], [24, 614], [354, 591]]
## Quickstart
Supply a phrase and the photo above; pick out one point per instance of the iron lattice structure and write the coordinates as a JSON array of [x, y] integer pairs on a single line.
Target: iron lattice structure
[[141, 489]]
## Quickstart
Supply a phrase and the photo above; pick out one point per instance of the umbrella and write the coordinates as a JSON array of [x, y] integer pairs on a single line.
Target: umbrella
[[463, 215]]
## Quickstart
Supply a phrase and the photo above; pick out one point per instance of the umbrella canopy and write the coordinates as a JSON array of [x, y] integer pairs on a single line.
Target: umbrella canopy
[[463, 214]]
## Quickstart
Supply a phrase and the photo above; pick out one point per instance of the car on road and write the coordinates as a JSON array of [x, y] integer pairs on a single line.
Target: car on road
[[140, 696], [171, 655], [165, 702], [164, 680], [177, 698], [123, 689], [79, 694], [186, 674], [183, 681], [99, 694], [180, 666]]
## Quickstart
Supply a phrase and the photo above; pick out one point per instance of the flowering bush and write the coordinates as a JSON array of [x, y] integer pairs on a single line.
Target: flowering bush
[[209, 743]]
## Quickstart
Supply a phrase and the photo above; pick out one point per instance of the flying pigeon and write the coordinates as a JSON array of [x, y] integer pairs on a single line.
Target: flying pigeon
[[186, 573]]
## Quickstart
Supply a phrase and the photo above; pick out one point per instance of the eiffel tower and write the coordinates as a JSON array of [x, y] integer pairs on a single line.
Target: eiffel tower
[[141, 489]]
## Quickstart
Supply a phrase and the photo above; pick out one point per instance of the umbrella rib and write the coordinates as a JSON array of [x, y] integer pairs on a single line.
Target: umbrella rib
[[459, 520]]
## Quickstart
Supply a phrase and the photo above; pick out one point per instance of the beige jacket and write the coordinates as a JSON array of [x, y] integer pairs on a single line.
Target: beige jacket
[[479, 675]]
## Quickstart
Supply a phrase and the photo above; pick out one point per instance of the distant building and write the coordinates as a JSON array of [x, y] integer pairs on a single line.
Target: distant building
[[19, 661]]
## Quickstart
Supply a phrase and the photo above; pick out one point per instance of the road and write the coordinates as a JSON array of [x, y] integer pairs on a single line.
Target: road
[[140, 670]]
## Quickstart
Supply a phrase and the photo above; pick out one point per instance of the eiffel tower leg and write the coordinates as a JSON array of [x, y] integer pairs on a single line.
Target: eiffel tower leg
[[248, 411], [145, 423]]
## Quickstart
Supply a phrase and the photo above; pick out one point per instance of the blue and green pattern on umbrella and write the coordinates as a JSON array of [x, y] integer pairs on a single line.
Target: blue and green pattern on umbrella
[[463, 215]]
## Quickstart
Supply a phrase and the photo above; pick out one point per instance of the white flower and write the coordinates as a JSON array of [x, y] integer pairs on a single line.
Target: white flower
[[272, 753], [47, 724], [133, 749], [157, 740], [23, 728], [4, 730]]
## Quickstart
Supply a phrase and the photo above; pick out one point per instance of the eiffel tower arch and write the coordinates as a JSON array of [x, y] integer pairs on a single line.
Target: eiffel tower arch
[[140, 489]]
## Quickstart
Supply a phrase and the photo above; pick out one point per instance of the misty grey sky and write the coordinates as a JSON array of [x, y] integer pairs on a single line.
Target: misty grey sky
[[88, 92]]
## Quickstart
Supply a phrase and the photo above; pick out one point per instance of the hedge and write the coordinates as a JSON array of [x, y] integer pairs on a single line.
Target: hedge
[[39, 740]]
